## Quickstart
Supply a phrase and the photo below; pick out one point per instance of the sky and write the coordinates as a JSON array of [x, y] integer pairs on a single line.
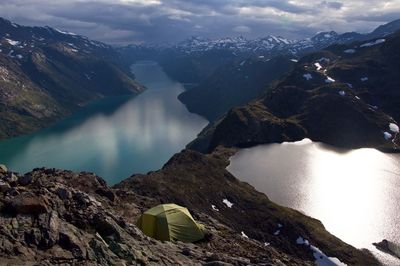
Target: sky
[[122, 22]]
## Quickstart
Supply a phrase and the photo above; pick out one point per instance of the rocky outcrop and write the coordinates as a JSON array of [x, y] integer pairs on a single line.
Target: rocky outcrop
[[52, 217], [389, 247], [202, 183]]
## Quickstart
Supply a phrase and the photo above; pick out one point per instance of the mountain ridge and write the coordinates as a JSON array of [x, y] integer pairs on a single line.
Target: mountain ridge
[[46, 74]]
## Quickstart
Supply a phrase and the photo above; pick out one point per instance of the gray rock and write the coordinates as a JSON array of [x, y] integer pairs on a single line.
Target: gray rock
[[64, 193], [389, 247], [3, 168], [11, 177], [4, 186], [25, 180], [26, 203], [14, 223]]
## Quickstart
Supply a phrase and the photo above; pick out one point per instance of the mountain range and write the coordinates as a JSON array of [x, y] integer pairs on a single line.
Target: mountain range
[[345, 95], [271, 45]]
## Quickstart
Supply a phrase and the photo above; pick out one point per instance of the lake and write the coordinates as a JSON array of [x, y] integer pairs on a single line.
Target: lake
[[114, 137], [355, 193]]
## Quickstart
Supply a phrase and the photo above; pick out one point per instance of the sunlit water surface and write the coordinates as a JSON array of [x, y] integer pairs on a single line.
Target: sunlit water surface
[[355, 193], [114, 137]]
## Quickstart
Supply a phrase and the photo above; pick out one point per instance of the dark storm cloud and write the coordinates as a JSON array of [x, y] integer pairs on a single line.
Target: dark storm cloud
[[127, 21]]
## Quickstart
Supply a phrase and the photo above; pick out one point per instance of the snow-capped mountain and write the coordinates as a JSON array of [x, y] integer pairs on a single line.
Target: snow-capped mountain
[[267, 44], [19, 42], [236, 44], [272, 45]]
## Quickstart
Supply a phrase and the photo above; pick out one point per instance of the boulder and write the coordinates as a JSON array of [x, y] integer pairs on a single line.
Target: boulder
[[25, 180], [11, 178], [26, 203], [3, 168], [388, 247], [63, 193], [4, 186]]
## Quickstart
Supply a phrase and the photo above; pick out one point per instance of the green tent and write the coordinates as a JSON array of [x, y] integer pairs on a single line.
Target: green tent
[[170, 222]]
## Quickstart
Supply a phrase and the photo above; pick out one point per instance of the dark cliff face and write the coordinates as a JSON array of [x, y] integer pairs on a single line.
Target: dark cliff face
[[234, 84], [345, 95], [46, 74]]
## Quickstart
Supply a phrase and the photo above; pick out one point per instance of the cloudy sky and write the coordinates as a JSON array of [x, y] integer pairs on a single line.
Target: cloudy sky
[[135, 21]]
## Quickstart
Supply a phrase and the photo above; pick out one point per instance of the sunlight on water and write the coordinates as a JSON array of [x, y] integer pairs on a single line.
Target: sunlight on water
[[135, 135], [355, 193]]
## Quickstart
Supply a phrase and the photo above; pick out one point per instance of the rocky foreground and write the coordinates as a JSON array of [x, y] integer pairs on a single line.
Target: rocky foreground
[[51, 217]]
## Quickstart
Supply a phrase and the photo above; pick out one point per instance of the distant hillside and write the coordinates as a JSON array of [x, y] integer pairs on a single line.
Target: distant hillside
[[46, 74], [234, 84], [346, 95]]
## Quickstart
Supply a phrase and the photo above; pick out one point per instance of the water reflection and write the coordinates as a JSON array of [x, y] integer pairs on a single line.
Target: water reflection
[[355, 193], [134, 137]]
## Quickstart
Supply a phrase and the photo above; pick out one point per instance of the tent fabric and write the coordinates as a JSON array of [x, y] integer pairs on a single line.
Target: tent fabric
[[170, 222]]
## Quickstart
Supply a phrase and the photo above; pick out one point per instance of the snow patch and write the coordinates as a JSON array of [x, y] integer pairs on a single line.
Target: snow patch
[[387, 135], [302, 241], [277, 232], [342, 93], [349, 85], [394, 128], [19, 56], [358, 98], [242, 63], [12, 42], [214, 208], [320, 258], [369, 44], [363, 79], [294, 60], [261, 57], [322, 59], [318, 66], [349, 51], [244, 235], [307, 76], [227, 203], [65, 32], [329, 80]]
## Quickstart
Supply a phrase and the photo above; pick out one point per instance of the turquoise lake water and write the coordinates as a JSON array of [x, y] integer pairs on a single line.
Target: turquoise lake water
[[114, 137]]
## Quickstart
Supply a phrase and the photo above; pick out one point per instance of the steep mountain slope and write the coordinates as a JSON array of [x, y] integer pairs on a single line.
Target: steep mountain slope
[[46, 74], [52, 217], [234, 84], [346, 95]]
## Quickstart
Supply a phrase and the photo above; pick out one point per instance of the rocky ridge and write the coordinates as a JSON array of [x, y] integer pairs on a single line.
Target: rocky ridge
[[52, 217]]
